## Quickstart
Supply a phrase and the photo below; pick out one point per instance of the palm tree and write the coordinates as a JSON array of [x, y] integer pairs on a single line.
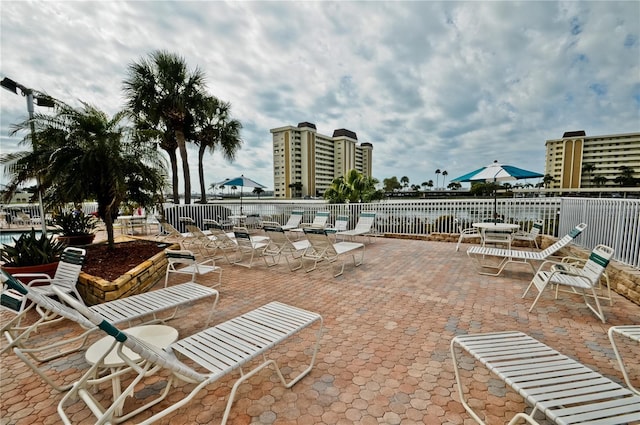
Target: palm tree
[[215, 129], [437, 175], [430, 184], [258, 191], [162, 94], [405, 181], [444, 178], [589, 169], [91, 156], [599, 181], [354, 187], [547, 180]]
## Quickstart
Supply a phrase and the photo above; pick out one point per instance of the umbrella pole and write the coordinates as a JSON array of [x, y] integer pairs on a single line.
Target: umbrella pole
[[240, 200]]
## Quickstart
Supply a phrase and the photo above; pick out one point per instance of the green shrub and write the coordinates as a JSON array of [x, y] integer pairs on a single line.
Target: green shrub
[[31, 249]]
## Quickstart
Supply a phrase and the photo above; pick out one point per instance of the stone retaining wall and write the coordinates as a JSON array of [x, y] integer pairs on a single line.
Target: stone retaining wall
[[95, 290], [624, 280]]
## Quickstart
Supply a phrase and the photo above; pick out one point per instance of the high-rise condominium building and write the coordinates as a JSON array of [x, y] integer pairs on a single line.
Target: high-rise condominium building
[[305, 162], [580, 161]]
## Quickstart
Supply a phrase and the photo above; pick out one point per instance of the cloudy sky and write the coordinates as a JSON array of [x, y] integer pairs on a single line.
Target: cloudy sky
[[432, 85]]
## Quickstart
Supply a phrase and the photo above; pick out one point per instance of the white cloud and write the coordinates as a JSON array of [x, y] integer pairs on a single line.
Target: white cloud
[[448, 85]]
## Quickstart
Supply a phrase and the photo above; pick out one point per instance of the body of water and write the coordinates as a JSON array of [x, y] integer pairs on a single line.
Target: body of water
[[7, 237]]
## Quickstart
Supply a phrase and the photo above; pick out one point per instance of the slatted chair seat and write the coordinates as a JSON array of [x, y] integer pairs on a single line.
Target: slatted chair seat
[[564, 390], [510, 256], [200, 359]]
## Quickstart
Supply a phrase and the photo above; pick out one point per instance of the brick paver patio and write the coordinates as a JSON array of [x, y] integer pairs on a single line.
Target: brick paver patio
[[384, 355]]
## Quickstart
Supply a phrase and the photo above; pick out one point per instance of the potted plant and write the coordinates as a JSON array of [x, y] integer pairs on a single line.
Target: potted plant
[[32, 253], [75, 227]]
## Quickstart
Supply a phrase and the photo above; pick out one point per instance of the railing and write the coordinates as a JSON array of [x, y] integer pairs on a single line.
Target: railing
[[613, 222]]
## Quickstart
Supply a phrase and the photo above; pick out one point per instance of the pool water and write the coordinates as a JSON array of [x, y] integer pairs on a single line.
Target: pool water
[[6, 238]]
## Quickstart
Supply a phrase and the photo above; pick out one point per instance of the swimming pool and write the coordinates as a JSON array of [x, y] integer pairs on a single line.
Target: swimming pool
[[6, 237]]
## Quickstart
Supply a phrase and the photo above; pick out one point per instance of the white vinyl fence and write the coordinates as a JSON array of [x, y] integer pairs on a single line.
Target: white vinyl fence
[[613, 222]]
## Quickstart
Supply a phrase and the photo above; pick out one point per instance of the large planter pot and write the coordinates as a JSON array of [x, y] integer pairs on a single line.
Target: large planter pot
[[78, 240], [48, 269]]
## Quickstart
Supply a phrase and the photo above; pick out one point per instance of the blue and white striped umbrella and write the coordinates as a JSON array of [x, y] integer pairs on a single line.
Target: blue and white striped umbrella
[[497, 172], [241, 181]]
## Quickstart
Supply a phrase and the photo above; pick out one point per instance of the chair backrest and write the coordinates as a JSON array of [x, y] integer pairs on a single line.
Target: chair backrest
[[342, 223], [169, 229], [277, 237], [222, 239], [243, 238], [186, 220], [597, 262], [320, 219], [295, 218], [70, 265], [195, 231], [320, 242], [566, 240], [536, 228], [181, 256], [365, 221]]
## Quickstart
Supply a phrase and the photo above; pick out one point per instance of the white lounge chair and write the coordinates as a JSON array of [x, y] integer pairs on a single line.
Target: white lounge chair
[[190, 266], [554, 385], [322, 249], [294, 220], [280, 245], [199, 359], [468, 233], [531, 235], [319, 222], [632, 335], [200, 239], [508, 256], [65, 277], [142, 308], [584, 278], [364, 226]]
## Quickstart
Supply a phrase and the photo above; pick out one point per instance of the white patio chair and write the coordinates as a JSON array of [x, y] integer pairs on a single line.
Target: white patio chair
[[190, 266], [323, 249], [531, 235], [364, 226], [468, 233], [246, 246], [200, 359], [341, 224], [319, 222], [584, 279], [294, 220], [280, 245], [65, 277]]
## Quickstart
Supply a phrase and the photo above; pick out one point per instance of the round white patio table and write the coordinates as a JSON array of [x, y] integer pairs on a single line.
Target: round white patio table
[[499, 227], [504, 227], [160, 336]]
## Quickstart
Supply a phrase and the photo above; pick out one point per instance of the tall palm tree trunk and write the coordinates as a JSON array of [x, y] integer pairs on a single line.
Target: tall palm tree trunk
[[173, 159], [203, 191], [182, 147]]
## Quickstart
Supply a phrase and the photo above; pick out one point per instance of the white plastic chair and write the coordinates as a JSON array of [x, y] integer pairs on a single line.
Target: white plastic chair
[[585, 279], [468, 233], [364, 226], [531, 235], [294, 220], [65, 277], [189, 265], [280, 245]]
